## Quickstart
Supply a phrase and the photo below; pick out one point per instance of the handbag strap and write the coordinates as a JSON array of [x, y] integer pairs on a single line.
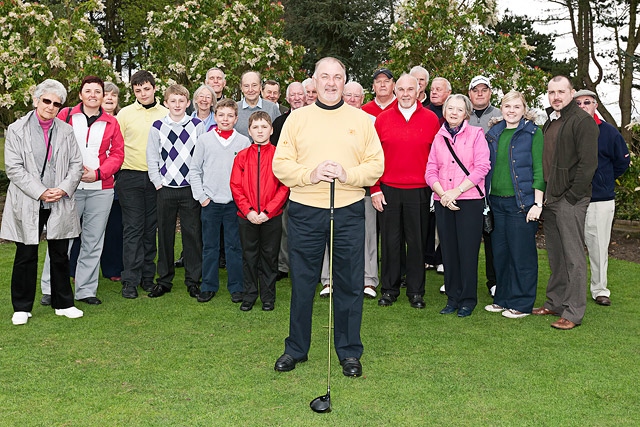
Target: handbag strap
[[455, 157], [44, 165]]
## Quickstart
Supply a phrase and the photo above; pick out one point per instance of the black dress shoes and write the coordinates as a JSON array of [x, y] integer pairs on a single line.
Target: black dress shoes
[[46, 299], [386, 300], [351, 367], [194, 291], [465, 311], [147, 286], [129, 291], [417, 301], [448, 309], [205, 296], [267, 306], [158, 291], [236, 297], [286, 363], [246, 306], [91, 300]]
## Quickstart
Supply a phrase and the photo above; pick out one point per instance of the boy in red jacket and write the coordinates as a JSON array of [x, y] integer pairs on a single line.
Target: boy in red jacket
[[260, 197]]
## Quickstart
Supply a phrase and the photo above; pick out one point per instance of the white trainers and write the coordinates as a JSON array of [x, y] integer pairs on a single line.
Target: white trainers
[[326, 290], [440, 269], [514, 314], [71, 312], [370, 291], [20, 317], [492, 291], [442, 290], [494, 308]]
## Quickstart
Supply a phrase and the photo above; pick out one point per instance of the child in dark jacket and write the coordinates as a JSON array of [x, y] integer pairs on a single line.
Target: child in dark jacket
[[260, 197]]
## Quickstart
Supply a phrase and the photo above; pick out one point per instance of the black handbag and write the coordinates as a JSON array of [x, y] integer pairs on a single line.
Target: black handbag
[[487, 215]]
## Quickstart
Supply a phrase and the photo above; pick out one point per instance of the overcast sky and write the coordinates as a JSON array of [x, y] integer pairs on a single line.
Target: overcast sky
[[607, 93]]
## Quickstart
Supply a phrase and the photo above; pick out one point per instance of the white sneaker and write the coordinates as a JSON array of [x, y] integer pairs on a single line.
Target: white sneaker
[[326, 290], [514, 314], [440, 269], [370, 291], [442, 290], [492, 291], [20, 317], [71, 312], [494, 308]]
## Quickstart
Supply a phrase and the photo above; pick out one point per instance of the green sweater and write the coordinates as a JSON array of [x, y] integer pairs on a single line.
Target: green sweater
[[501, 183]]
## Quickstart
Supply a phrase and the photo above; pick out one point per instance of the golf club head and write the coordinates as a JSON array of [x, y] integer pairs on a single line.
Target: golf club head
[[321, 404]]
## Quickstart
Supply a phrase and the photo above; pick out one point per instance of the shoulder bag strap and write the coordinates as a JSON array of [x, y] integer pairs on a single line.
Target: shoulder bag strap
[[455, 157]]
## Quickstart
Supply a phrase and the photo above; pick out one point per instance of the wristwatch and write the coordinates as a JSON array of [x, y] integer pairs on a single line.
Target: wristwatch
[[539, 205]]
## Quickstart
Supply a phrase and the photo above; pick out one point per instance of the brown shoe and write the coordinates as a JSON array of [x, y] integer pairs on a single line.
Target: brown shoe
[[602, 300], [563, 324], [543, 311]]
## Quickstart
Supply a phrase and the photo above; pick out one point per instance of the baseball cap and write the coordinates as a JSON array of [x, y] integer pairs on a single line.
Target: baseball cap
[[384, 71], [479, 80]]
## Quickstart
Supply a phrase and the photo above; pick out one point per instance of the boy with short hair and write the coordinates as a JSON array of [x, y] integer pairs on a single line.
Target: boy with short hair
[[260, 197], [209, 176], [170, 148], [135, 191]]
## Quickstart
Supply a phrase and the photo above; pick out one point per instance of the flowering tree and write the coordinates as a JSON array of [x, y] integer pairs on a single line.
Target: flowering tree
[[186, 40], [450, 39], [34, 46]]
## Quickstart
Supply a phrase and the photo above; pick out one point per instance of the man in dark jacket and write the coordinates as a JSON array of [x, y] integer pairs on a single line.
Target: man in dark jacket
[[613, 160], [569, 159]]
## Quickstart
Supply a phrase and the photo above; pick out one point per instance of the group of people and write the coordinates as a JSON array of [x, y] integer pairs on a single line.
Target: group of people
[[252, 179]]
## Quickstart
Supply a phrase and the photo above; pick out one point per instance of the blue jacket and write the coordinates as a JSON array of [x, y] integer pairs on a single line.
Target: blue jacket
[[613, 160], [520, 159]]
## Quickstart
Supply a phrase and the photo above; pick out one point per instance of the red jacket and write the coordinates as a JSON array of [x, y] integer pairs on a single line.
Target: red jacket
[[101, 144], [374, 109], [253, 185], [406, 146]]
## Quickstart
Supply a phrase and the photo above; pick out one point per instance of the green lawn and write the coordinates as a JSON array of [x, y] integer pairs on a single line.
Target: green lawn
[[174, 362]]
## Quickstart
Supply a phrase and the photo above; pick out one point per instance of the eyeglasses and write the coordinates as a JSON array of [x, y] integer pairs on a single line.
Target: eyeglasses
[[584, 102], [49, 102]]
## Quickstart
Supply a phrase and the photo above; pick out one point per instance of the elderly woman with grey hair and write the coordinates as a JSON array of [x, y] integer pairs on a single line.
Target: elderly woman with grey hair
[[456, 169], [204, 101], [44, 167]]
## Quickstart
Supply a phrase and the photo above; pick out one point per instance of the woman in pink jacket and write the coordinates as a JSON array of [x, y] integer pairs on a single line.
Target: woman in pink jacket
[[458, 187]]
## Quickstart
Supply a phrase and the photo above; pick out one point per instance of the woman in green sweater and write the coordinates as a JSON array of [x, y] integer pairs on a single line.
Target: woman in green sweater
[[516, 194]]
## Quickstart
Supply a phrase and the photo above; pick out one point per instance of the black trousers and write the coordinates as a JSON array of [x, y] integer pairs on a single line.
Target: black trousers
[[460, 235], [308, 236], [260, 248], [25, 271], [172, 202], [137, 197], [405, 214]]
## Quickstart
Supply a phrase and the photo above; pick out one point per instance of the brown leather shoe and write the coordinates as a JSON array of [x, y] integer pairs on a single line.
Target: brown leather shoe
[[543, 311], [563, 324], [602, 300]]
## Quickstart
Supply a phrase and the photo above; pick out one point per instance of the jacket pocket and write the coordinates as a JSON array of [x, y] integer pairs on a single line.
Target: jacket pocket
[[558, 181]]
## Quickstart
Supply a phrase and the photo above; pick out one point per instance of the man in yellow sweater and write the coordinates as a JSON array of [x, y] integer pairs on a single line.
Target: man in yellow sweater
[[136, 192], [326, 141]]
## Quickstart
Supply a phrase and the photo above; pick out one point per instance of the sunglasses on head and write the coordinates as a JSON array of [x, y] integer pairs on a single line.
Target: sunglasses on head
[[49, 102], [583, 102]]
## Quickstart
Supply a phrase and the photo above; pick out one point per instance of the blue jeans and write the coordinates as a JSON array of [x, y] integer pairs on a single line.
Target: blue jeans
[[515, 257], [213, 215]]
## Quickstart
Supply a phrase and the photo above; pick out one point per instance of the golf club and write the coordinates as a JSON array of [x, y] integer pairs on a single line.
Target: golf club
[[322, 404]]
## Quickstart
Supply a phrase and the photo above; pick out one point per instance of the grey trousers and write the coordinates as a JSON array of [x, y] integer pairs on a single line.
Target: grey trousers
[[564, 234]]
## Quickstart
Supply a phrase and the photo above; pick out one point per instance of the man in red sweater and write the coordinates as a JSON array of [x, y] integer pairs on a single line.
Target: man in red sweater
[[383, 88], [401, 196]]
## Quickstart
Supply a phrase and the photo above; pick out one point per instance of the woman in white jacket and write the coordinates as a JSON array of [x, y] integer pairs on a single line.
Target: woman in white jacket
[[44, 166]]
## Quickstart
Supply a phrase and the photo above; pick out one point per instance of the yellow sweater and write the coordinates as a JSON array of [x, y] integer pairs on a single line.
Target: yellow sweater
[[135, 122], [312, 135]]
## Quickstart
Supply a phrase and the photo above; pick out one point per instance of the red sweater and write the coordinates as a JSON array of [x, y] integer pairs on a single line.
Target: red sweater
[[374, 109], [406, 146], [253, 185]]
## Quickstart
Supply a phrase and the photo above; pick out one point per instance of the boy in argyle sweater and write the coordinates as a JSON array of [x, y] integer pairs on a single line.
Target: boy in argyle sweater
[[170, 148], [209, 177]]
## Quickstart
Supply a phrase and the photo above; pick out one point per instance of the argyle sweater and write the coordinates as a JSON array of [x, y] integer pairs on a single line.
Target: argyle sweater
[[170, 149]]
